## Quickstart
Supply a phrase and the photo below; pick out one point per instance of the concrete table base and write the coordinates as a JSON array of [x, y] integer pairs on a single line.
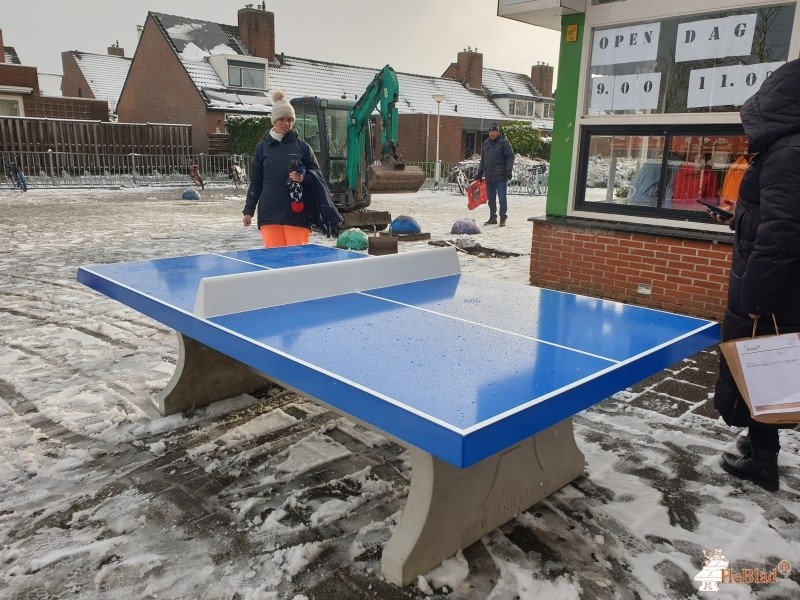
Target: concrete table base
[[447, 508], [450, 508], [203, 376]]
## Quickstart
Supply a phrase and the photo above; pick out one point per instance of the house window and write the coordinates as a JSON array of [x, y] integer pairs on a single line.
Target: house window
[[548, 111], [9, 108], [520, 108], [660, 171], [246, 75], [690, 64]]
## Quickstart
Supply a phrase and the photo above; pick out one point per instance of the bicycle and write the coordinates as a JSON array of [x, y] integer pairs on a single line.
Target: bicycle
[[238, 175], [17, 177], [194, 174]]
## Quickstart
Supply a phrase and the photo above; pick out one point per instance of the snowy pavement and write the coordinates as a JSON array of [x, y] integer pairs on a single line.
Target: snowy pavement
[[269, 496]]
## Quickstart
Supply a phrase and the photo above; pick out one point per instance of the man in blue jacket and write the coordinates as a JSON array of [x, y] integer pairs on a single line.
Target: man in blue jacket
[[497, 161]]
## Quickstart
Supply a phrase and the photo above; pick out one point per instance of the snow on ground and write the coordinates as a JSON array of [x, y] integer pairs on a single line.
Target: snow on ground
[[269, 496]]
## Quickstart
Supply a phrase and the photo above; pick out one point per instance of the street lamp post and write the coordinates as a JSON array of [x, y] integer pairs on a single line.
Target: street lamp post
[[438, 172]]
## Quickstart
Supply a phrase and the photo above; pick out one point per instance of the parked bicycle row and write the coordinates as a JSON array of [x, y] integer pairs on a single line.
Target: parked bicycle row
[[51, 169]]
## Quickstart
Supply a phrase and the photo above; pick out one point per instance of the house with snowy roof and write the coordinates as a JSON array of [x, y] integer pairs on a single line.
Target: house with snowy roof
[[24, 93], [206, 72], [99, 76]]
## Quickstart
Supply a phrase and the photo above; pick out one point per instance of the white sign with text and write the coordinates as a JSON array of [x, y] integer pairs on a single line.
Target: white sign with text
[[726, 86], [636, 43], [771, 369], [625, 92], [715, 38]]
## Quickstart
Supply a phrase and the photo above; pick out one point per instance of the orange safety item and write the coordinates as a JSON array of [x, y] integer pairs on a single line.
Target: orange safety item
[[477, 194], [733, 179], [277, 236]]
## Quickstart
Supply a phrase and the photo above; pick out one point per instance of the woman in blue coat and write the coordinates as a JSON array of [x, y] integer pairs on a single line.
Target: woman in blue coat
[[279, 177]]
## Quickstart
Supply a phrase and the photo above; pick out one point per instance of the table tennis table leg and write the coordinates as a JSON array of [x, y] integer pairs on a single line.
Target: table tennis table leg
[[203, 376], [450, 508]]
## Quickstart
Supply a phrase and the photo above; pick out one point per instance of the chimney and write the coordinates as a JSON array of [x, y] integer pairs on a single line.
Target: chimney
[[469, 68], [257, 31], [2, 48], [115, 50], [542, 79]]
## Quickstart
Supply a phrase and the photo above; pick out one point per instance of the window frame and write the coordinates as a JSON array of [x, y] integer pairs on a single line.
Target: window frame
[[580, 203], [604, 15], [242, 65]]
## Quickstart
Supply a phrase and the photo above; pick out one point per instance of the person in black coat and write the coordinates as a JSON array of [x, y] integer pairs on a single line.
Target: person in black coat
[[765, 271], [497, 162], [281, 160]]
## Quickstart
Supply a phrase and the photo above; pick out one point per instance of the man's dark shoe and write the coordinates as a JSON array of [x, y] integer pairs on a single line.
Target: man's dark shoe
[[491, 221], [503, 221], [760, 467]]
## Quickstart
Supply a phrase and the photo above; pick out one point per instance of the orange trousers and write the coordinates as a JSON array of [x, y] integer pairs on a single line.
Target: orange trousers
[[276, 236]]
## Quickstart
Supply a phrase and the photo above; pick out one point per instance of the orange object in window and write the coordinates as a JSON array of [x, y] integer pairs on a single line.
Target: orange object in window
[[733, 179]]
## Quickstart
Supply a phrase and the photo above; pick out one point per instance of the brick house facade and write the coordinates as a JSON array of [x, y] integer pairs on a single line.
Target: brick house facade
[[156, 67], [20, 84], [191, 76]]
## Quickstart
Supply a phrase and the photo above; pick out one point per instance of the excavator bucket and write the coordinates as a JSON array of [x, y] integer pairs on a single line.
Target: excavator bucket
[[394, 177]]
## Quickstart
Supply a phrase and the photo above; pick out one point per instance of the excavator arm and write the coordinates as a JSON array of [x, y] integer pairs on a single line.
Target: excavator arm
[[391, 175]]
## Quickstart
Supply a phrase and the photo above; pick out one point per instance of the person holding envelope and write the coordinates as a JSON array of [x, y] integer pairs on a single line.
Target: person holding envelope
[[765, 270]]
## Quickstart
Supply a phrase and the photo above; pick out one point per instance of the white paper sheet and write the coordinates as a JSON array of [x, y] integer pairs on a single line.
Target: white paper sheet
[[771, 368]]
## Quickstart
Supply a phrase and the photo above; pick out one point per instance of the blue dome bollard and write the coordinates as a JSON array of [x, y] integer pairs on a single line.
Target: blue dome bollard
[[465, 226], [404, 225], [190, 194]]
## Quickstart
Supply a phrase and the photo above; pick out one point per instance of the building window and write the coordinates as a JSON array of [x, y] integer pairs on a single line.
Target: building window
[[548, 111], [700, 63], [520, 108], [660, 171], [247, 75], [9, 108]]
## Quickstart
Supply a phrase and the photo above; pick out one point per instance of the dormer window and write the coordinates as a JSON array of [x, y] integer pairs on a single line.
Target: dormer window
[[247, 75], [237, 71], [520, 108]]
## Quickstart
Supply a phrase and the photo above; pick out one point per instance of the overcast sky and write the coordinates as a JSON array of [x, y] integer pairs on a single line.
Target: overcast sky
[[413, 36]]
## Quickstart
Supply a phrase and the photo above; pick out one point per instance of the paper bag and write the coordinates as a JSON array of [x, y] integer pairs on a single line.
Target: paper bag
[[477, 194], [767, 372]]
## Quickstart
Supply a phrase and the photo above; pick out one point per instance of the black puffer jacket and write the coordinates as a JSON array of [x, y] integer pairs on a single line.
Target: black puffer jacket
[[765, 273], [497, 159], [268, 177]]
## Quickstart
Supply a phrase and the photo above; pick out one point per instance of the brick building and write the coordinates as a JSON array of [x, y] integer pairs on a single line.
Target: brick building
[[649, 99], [21, 95], [206, 72], [98, 76]]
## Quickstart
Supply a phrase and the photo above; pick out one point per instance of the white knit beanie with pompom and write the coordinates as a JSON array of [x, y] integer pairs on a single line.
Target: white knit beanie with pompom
[[281, 107]]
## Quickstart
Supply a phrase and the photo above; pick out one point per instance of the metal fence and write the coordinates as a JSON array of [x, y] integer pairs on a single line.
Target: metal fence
[[81, 170], [529, 178], [78, 170]]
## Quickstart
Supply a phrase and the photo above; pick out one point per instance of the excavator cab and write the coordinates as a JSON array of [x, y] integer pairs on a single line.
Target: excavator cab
[[323, 124], [336, 129]]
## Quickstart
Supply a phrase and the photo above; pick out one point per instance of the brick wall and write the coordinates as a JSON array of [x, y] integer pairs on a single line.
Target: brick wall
[[685, 276], [414, 132], [73, 84], [159, 90], [85, 109], [19, 76]]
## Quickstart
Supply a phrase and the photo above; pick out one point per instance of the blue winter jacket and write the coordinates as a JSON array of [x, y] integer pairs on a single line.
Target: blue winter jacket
[[269, 190], [497, 159]]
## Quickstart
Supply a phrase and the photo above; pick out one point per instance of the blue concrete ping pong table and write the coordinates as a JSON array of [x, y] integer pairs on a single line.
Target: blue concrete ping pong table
[[478, 378]]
